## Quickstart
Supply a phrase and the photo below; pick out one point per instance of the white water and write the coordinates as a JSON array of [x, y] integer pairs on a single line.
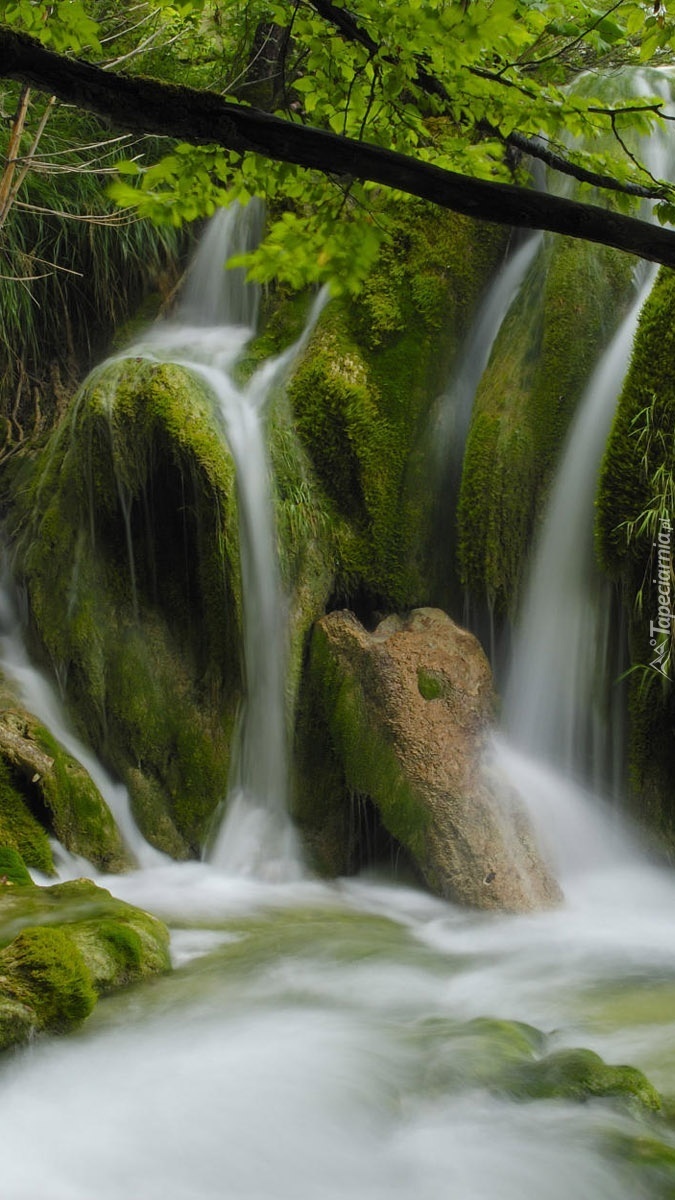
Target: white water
[[307, 1048]]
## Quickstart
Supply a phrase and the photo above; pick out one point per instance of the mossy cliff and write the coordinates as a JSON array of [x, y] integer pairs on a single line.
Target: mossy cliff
[[636, 508], [568, 308], [363, 397], [125, 536], [63, 947]]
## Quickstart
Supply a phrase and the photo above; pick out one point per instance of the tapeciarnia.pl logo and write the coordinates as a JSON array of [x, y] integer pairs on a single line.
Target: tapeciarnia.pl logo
[[660, 629]]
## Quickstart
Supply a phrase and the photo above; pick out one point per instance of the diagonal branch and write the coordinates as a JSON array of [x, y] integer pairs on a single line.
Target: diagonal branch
[[204, 118]]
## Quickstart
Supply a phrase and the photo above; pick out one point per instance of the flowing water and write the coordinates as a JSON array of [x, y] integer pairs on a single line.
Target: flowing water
[[565, 650], [456, 404], [312, 1042], [208, 335], [562, 703]]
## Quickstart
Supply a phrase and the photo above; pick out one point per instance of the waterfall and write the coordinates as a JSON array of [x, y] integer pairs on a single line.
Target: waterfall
[[207, 336], [456, 403], [555, 696], [566, 653], [41, 698]]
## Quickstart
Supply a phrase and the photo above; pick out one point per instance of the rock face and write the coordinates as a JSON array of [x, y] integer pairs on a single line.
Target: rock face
[[407, 709]]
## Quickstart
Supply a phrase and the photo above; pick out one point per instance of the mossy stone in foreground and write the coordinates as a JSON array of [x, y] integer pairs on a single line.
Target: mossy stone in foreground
[[64, 947], [49, 970]]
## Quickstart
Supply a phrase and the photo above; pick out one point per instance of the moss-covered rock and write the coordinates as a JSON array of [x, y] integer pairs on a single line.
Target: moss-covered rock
[[363, 395], [49, 782], [12, 868], [63, 947], [129, 554], [636, 507], [569, 306], [417, 756], [19, 828], [580, 1075]]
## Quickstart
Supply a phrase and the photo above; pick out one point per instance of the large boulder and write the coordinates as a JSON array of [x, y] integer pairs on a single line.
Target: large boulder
[[406, 710]]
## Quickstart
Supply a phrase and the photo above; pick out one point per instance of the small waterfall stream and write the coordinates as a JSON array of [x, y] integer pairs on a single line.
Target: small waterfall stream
[[208, 334], [456, 404], [556, 696]]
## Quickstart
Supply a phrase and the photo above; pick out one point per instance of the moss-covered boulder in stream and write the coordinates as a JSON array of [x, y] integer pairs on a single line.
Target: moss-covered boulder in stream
[[635, 512], [63, 947], [569, 306]]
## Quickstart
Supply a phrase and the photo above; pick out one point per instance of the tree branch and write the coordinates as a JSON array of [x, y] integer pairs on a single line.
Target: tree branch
[[204, 118], [350, 29]]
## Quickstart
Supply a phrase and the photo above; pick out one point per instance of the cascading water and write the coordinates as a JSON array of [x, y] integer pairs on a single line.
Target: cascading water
[[456, 404], [566, 658], [207, 336], [556, 693], [212, 325]]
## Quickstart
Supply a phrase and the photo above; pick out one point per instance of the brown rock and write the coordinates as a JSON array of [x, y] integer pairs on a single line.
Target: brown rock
[[408, 708]]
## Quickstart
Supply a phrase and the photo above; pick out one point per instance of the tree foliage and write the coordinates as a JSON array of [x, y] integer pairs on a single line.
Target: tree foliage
[[476, 87]]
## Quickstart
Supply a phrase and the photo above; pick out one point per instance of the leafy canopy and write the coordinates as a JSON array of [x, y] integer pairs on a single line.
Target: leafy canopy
[[464, 84]]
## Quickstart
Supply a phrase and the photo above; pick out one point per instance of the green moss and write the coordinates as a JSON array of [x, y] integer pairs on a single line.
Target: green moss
[[81, 819], [13, 868], [351, 759], [431, 684], [66, 945], [47, 972], [363, 395], [19, 829], [581, 1075], [637, 489], [566, 311]]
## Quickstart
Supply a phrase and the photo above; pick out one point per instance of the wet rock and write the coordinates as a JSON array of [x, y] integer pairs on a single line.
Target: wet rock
[[63, 947], [38, 778], [407, 710]]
